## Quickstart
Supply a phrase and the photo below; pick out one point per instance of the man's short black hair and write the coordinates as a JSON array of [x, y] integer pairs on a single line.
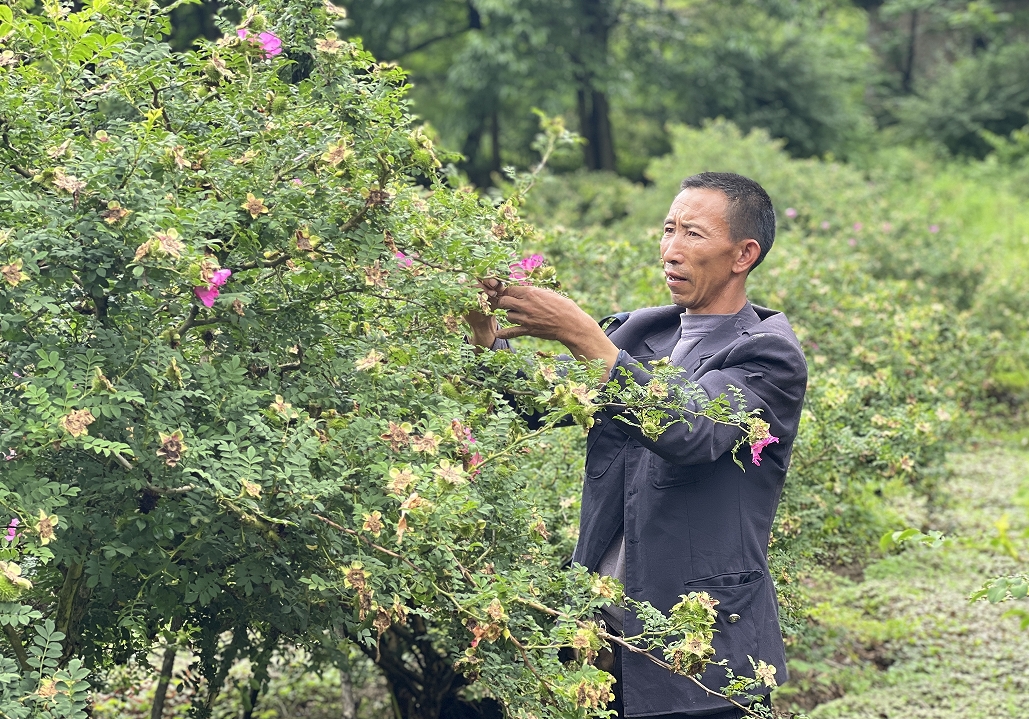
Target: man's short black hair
[[750, 213]]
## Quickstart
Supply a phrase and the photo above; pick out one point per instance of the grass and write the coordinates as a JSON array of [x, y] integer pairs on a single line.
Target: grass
[[903, 642]]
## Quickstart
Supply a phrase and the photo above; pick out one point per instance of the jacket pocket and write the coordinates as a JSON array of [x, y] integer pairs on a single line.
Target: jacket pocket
[[603, 446], [740, 614], [664, 474]]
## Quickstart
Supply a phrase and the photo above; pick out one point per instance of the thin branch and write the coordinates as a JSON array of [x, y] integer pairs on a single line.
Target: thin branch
[[19, 649], [367, 541], [121, 460], [171, 490], [158, 106], [528, 665]]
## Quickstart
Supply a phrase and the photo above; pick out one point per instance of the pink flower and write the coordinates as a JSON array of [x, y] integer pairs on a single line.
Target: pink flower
[[825, 224], [521, 269], [298, 182], [473, 464], [934, 229], [858, 227], [402, 259], [271, 44], [887, 227], [11, 529], [756, 447], [791, 213], [209, 294], [11, 454], [852, 242]]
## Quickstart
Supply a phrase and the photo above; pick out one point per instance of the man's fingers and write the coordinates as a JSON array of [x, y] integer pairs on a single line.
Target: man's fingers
[[511, 332]]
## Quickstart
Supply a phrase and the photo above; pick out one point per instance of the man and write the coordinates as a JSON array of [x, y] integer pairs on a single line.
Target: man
[[677, 515]]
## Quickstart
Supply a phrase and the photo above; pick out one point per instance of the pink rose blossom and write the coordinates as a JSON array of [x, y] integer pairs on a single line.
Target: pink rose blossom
[[858, 227], [934, 229], [207, 295], [298, 182], [852, 242], [791, 213], [521, 269], [755, 449], [271, 44], [11, 454], [402, 259], [825, 224], [12, 528]]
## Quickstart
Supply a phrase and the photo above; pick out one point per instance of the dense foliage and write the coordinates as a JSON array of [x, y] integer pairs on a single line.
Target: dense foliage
[[238, 410]]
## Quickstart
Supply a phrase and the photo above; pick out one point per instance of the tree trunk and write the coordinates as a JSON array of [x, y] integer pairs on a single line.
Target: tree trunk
[[595, 127], [347, 702], [908, 72], [494, 136], [161, 692]]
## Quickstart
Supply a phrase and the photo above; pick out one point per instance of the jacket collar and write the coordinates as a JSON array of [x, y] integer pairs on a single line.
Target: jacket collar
[[662, 343]]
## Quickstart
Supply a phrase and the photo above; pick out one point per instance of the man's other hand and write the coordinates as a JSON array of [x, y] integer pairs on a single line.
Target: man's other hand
[[543, 313], [484, 327]]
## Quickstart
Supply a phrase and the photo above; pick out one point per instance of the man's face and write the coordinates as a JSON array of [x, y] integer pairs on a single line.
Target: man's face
[[699, 256]]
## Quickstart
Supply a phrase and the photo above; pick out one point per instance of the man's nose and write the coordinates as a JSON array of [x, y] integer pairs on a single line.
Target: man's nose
[[671, 251]]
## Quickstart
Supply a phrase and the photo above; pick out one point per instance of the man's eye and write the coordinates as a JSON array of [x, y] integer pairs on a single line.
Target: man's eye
[[668, 229]]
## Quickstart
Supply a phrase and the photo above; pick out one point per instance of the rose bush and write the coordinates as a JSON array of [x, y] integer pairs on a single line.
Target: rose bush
[[238, 413]]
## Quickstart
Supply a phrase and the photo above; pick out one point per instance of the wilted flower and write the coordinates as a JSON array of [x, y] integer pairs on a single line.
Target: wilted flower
[[329, 45], [397, 435], [356, 576], [283, 408], [255, 206], [12, 273], [251, 489], [428, 443], [168, 242], [172, 447], [114, 213], [766, 673], [237, 307], [76, 423], [451, 474], [269, 42], [369, 361], [68, 183], [402, 479], [335, 9], [45, 526], [207, 295], [373, 523], [374, 275], [336, 153]]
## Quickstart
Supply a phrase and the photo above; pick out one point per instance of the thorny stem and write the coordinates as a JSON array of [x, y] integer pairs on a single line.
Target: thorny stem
[[370, 543]]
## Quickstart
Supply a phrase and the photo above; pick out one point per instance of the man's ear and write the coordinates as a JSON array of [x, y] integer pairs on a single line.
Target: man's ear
[[750, 251]]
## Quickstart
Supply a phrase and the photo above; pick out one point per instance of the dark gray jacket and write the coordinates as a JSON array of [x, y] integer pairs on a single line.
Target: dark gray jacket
[[693, 520]]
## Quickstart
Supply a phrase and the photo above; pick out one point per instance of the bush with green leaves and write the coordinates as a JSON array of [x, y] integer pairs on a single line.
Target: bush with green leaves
[[238, 411]]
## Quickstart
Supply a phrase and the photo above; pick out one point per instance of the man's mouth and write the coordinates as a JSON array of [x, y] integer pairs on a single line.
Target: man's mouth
[[671, 277]]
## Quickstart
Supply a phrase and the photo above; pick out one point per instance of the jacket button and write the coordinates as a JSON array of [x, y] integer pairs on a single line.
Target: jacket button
[[733, 618]]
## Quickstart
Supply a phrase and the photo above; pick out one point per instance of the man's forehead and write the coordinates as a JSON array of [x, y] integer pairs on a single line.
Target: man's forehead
[[698, 205]]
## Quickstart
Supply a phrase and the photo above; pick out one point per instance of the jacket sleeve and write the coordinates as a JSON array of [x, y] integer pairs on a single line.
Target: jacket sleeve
[[768, 369]]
